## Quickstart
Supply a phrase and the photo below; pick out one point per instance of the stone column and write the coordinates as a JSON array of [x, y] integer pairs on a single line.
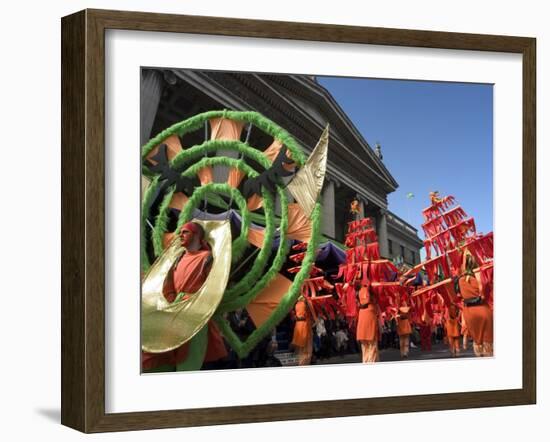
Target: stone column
[[361, 208], [151, 90], [382, 232], [328, 221]]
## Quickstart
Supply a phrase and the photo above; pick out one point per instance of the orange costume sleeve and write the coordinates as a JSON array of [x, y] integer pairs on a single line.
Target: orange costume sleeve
[[469, 287], [479, 317], [191, 271], [302, 327], [367, 321], [189, 274], [403, 322], [452, 328]]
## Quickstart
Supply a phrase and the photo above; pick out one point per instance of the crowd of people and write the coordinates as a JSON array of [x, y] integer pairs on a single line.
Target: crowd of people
[[334, 337], [314, 338]]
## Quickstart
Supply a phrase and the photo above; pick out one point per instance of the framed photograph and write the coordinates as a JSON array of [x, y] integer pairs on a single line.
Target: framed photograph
[[268, 221]]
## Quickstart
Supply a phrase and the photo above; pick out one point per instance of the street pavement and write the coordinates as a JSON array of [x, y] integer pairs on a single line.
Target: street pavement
[[438, 351]]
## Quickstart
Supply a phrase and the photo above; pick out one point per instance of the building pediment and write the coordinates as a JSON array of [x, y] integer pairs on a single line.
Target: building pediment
[[304, 90], [303, 107]]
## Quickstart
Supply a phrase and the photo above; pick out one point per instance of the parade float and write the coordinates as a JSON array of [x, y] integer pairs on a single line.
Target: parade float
[[249, 224], [429, 290], [266, 251]]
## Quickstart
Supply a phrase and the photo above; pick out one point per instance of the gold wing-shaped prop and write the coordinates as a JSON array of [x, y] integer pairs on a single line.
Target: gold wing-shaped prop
[[306, 186], [165, 326]]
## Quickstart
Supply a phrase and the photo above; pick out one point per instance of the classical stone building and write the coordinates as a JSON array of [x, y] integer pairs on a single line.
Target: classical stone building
[[303, 107]]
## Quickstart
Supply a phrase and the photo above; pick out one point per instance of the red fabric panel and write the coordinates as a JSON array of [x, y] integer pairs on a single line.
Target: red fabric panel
[[455, 256]]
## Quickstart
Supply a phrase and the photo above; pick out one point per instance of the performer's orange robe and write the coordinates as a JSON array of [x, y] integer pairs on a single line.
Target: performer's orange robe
[[478, 318], [367, 321], [403, 322], [302, 327], [190, 273], [188, 277], [404, 330], [367, 326], [302, 339], [452, 328]]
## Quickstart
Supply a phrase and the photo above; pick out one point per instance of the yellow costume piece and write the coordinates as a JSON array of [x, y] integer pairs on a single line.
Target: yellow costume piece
[[165, 325]]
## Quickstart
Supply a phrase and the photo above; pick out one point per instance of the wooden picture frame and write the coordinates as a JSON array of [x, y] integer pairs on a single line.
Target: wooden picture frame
[[83, 219]]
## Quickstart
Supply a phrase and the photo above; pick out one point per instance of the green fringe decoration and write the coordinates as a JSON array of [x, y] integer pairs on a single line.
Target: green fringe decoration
[[196, 122], [199, 150], [220, 161], [146, 172], [239, 245], [145, 207], [230, 302], [196, 352], [217, 201], [161, 222], [260, 262], [259, 219], [245, 290], [287, 302], [179, 161]]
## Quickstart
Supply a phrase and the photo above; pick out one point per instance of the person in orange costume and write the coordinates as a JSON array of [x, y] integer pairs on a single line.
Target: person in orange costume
[[426, 333], [464, 332], [452, 328], [302, 338], [404, 329], [367, 326], [434, 197], [354, 207], [187, 277], [477, 313]]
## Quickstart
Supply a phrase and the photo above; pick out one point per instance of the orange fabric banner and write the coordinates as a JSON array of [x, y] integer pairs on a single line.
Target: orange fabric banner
[[268, 299], [173, 147], [205, 175], [179, 200], [256, 237], [254, 202], [273, 150], [235, 177], [299, 225], [224, 129]]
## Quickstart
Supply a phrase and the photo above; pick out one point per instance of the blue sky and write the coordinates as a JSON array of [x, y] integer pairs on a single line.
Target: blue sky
[[434, 136]]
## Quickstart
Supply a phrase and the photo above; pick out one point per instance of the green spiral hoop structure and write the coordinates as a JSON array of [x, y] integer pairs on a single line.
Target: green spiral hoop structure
[[266, 263]]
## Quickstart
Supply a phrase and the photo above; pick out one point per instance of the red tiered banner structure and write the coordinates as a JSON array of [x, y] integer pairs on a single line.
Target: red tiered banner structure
[[365, 268], [316, 290], [371, 290], [450, 234]]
